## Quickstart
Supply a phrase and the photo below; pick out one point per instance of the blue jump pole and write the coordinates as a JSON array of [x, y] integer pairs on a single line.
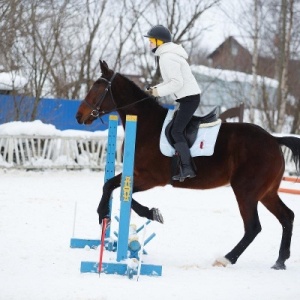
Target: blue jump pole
[[126, 187], [111, 156]]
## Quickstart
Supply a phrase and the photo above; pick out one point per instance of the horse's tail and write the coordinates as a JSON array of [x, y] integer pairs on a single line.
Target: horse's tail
[[292, 143]]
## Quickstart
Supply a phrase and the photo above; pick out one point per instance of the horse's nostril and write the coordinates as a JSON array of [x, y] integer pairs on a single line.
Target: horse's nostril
[[78, 118]]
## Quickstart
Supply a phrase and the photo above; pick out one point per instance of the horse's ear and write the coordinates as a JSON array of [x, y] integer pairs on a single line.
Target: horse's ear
[[104, 67]]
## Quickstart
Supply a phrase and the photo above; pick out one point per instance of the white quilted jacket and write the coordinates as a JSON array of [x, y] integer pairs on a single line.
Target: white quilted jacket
[[178, 80]]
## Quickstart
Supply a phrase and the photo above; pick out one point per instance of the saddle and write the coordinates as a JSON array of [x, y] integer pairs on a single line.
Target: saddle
[[191, 129]]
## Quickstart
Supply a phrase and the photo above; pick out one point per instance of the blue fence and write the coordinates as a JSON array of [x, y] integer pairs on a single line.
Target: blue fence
[[59, 112]]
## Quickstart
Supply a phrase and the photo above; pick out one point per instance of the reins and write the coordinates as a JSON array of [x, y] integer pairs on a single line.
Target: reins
[[125, 106], [96, 112]]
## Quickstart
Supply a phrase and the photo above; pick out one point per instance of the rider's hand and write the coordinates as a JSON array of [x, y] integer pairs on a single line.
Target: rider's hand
[[152, 91]]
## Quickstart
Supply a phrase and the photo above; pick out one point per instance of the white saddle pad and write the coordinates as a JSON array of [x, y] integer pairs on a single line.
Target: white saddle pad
[[204, 144]]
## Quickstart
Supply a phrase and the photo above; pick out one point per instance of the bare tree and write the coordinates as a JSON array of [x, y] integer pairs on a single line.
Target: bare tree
[[283, 58], [278, 31], [104, 31], [59, 43], [256, 32], [38, 41], [9, 20]]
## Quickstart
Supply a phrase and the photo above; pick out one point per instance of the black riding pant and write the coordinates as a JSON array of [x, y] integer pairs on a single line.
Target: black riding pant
[[187, 107]]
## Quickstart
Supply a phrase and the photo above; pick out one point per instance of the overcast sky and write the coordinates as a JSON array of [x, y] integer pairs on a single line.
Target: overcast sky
[[220, 24]]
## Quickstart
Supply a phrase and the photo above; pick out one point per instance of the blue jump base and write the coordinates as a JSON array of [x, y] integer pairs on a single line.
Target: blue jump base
[[110, 246], [119, 268], [81, 243]]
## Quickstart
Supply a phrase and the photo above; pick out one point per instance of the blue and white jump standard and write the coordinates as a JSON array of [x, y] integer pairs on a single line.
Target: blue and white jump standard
[[126, 251]]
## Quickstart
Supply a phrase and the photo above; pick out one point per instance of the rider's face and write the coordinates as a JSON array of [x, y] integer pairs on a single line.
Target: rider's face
[[152, 43]]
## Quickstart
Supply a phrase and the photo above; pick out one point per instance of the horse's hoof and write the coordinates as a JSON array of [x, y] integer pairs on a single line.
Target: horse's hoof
[[221, 262], [156, 215], [279, 266], [108, 221]]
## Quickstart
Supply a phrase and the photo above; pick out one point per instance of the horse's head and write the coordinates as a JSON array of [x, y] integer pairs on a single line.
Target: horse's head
[[99, 100]]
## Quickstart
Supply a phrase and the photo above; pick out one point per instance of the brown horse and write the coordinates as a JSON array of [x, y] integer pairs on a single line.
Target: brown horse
[[246, 157]]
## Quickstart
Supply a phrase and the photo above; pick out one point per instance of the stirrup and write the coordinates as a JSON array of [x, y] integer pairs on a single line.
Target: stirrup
[[183, 174]]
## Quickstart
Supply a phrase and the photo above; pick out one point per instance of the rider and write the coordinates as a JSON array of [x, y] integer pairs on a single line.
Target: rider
[[181, 85]]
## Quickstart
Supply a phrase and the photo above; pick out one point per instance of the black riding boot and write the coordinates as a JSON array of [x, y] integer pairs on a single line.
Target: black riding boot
[[186, 169]]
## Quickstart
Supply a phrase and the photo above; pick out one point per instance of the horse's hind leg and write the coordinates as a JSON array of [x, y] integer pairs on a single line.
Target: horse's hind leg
[[286, 218], [248, 210]]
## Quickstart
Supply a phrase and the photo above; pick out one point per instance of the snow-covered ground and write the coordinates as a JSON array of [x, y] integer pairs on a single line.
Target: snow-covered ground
[[36, 224]]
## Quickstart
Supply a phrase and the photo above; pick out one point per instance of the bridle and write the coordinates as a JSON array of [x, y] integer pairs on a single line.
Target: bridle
[[96, 108], [96, 112]]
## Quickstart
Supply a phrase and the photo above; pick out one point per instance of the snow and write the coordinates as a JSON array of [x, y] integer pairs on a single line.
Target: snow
[[11, 80], [36, 224], [38, 128], [233, 76], [36, 221]]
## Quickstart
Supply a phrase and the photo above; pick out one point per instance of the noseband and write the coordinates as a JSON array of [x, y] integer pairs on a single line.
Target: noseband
[[96, 108]]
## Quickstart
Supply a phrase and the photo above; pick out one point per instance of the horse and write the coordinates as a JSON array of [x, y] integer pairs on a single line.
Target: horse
[[246, 157]]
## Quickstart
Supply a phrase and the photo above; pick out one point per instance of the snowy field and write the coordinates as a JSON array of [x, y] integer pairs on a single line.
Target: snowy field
[[36, 224]]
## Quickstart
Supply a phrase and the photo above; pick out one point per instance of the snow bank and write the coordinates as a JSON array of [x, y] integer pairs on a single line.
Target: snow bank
[[39, 128]]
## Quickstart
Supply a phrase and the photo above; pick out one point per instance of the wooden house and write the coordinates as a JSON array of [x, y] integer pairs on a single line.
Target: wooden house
[[235, 54]]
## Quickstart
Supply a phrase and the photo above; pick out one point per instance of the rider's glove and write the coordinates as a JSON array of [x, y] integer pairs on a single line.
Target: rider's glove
[[152, 91]]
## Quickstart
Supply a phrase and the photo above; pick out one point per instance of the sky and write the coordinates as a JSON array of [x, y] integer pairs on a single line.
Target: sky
[[220, 26]]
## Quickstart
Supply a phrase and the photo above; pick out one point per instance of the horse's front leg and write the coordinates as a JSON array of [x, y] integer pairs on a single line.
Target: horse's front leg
[[109, 186], [143, 211]]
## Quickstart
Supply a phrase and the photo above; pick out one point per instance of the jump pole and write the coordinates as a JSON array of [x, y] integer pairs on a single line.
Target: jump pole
[[121, 266], [126, 186], [111, 157], [290, 190]]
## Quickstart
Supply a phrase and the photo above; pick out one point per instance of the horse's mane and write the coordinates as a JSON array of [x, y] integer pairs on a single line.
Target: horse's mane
[[137, 93]]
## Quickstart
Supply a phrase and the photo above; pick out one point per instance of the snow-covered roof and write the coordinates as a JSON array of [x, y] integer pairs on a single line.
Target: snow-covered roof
[[11, 80], [229, 88], [233, 76]]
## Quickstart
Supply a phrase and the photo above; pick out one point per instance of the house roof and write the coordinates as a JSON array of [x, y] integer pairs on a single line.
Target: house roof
[[230, 39], [245, 42]]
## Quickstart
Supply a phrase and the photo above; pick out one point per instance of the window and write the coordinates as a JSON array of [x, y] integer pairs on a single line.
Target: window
[[234, 49]]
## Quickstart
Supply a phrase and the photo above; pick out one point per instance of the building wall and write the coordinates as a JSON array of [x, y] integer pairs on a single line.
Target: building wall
[[231, 56]]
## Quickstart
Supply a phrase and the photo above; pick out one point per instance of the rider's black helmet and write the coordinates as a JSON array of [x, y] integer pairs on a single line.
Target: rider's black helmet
[[160, 32]]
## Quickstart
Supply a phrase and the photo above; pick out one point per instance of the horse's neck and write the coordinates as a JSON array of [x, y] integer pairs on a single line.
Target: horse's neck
[[150, 115]]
